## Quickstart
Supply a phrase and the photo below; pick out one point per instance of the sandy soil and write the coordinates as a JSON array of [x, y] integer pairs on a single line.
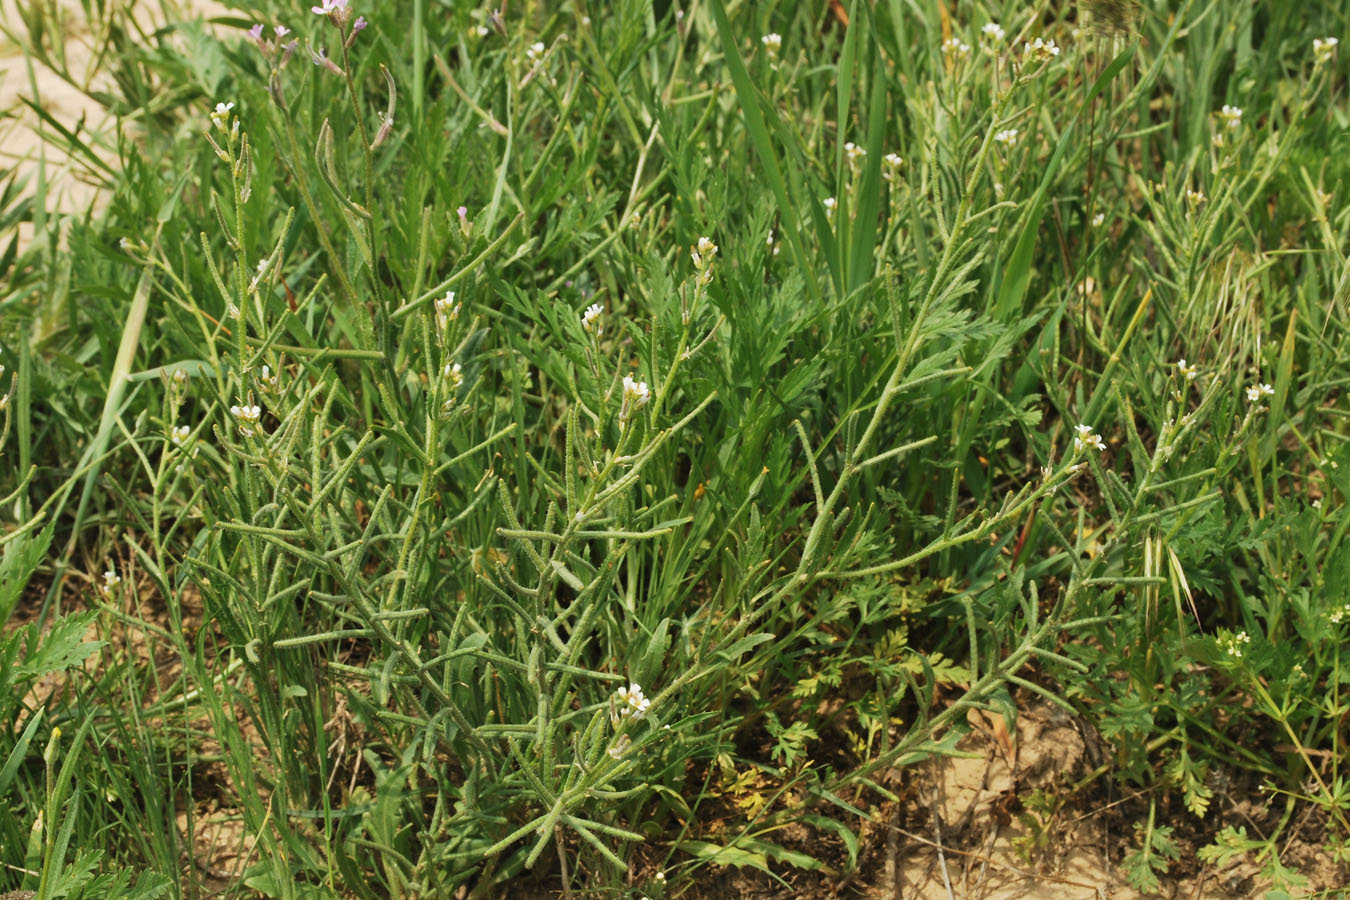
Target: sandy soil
[[26, 142]]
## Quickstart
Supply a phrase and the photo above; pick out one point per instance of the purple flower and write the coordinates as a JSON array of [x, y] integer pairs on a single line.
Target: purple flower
[[256, 32], [329, 7], [463, 212], [359, 24], [281, 30]]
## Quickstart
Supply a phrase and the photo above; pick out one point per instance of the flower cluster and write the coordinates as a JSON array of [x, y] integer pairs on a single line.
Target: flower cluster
[[955, 48], [1194, 198], [636, 395], [534, 53], [1324, 50], [773, 42], [1256, 392], [854, 153], [1186, 371], [1041, 50], [179, 434], [703, 253], [110, 582], [453, 375], [447, 310], [629, 702], [992, 32], [1340, 614], [1231, 116], [247, 416], [1085, 437], [1234, 644], [890, 166], [590, 319], [1007, 137], [221, 118], [830, 203], [270, 48]]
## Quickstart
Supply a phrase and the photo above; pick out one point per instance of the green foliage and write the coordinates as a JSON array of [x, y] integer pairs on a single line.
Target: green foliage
[[496, 496], [1143, 866]]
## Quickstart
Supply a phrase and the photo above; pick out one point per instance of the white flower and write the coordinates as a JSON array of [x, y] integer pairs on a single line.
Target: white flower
[[1340, 615], [636, 395], [954, 46], [535, 52], [110, 581], [993, 32], [1195, 198], [220, 116], [632, 702], [702, 253], [890, 166], [447, 310], [1041, 50], [452, 374], [590, 319], [830, 204], [1086, 438], [247, 416], [854, 153], [179, 434], [1257, 391], [1235, 644], [1231, 116], [773, 42], [1186, 371], [1008, 136], [269, 381], [180, 375], [1324, 49], [1098, 220]]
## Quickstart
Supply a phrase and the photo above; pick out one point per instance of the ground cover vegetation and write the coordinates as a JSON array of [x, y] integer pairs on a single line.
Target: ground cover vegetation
[[573, 443]]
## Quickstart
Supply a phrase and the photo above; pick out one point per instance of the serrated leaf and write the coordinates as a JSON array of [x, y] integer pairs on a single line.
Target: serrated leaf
[[62, 647], [19, 560], [1229, 844], [1139, 872]]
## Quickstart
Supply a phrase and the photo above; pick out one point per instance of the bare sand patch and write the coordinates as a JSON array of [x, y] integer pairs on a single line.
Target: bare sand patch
[[66, 91]]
